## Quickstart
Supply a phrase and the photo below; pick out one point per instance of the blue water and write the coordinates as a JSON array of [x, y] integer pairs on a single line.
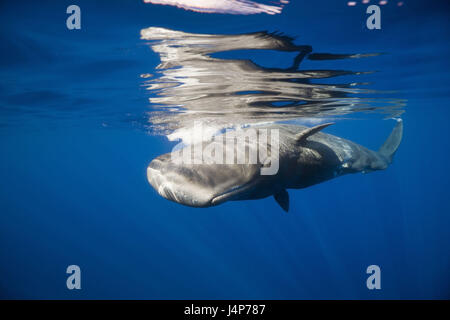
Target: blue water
[[75, 145]]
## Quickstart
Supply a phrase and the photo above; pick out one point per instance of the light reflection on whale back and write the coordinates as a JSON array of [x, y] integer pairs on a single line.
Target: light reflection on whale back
[[192, 85]]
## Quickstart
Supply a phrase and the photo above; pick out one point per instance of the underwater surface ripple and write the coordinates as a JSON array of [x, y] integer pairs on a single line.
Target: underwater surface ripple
[[191, 84]]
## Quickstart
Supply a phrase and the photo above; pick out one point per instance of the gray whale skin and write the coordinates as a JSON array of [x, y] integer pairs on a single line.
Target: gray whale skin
[[306, 157]]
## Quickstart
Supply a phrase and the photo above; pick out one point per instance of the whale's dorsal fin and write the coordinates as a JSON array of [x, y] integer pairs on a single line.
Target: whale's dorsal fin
[[301, 137], [282, 198]]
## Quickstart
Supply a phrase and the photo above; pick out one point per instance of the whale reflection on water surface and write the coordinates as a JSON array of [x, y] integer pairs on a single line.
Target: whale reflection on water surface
[[193, 84]]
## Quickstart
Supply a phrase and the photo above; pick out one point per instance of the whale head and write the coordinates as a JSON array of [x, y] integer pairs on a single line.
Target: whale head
[[204, 185]]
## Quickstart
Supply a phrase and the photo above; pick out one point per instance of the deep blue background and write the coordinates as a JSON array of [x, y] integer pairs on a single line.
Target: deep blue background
[[74, 153]]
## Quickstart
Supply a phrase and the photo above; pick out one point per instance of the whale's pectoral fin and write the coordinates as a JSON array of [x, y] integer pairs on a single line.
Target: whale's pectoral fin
[[282, 198], [301, 137]]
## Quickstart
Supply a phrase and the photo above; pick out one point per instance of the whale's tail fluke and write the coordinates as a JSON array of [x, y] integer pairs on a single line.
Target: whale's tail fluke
[[392, 143]]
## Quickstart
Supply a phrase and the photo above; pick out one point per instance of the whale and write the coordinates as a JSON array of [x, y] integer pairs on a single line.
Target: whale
[[305, 156]]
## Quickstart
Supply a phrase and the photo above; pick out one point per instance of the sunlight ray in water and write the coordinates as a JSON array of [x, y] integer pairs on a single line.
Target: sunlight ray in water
[[192, 85]]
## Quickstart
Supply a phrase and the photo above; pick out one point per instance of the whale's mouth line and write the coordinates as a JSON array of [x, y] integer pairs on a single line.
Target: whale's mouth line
[[227, 195]]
